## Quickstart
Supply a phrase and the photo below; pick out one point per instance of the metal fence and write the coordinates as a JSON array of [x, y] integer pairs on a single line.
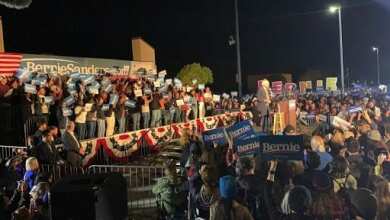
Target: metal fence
[[140, 181], [59, 171], [6, 152]]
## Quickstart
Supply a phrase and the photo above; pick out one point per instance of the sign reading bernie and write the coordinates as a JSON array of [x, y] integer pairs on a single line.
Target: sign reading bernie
[[241, 129], [217, 136], [278, 147]]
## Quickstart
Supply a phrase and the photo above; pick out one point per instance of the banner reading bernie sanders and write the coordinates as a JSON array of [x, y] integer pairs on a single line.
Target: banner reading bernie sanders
[[64, 65]]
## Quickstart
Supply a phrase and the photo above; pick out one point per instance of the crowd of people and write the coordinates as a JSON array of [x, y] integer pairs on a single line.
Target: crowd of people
[[344, 175], [101, 105]]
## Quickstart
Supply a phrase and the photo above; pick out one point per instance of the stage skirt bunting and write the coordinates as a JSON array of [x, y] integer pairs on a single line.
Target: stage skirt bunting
[[120, 146]]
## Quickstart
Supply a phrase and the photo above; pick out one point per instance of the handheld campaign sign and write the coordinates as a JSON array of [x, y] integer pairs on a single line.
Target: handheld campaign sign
[[241, 129], [216, 98], [114, 99], [247, 146], [355, 109], [67, 112], [105, 108], [49, 99], [281, 147], [69, 100], [28, 88], [201, 86], [93, 90], [234, 93], [162, 73], [137, 92], [130, 103], [215, 136]]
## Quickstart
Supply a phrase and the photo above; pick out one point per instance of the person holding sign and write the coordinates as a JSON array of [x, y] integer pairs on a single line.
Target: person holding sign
[[101, 118], [91, 118], [81, 119], [155, 106], [145, 108], [200, 99], [110, 121]]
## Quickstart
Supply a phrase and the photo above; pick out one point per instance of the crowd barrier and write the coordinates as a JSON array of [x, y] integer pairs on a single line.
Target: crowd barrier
[[140, 181], [59, 171], [7, 152]]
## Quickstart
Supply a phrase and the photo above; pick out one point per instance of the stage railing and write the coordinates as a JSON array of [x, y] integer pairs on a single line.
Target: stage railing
[[140, 181], [58, 171]]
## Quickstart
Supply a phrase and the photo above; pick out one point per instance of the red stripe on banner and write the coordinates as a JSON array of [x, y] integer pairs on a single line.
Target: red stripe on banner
[[9, 65], [7, 74], [8, 70], [124, 136], [11, 56]]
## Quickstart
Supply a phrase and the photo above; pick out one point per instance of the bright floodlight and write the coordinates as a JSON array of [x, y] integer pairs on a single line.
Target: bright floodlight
[[374, 49], [333, 9]]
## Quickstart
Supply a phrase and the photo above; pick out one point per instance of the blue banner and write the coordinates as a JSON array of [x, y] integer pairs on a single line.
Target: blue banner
[[277, 147], [215, 136], [282, 147], [241, 129], [247, 146]]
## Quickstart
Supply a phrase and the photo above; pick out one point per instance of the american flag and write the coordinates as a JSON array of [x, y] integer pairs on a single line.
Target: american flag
[[9, 63]]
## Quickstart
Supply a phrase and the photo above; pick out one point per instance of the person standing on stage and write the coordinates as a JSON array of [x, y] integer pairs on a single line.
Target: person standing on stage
[[263, 102]]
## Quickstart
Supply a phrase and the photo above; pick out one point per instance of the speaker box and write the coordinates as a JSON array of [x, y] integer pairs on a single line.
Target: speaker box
[[89, 197]]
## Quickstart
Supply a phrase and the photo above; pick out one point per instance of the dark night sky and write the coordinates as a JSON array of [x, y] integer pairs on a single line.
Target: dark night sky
[[276, 35]]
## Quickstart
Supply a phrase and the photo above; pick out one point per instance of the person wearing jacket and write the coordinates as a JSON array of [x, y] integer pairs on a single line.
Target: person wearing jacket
[[227, 208]]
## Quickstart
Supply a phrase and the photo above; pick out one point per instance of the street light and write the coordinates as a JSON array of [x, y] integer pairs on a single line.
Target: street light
[[239, 75], [376, 50], [333, 9]]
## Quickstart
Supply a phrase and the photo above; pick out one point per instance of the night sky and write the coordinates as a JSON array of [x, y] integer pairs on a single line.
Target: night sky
[[276, 35]]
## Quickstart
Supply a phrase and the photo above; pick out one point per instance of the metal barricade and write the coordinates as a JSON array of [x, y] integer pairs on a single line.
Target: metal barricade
[[140, 181], [58, 171], [7, 152]]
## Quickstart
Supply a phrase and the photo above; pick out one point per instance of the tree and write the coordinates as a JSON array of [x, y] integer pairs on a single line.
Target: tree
[[190, 72]]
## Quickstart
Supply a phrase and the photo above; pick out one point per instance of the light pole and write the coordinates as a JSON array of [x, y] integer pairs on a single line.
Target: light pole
[[378, 66], [239, 77], [334, 9]]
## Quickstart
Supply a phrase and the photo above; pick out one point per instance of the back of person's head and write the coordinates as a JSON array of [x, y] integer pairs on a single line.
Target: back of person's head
[[32, 164], [299, 199], [42, 125], [339, 167], [363, 204], [352, 145], [227, 187], [289, 130], [317, 144], [208, 174], [313, 160], [245, 166]]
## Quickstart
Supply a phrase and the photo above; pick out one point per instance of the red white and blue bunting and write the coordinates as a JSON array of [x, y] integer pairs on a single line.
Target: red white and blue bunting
[[119, 147]]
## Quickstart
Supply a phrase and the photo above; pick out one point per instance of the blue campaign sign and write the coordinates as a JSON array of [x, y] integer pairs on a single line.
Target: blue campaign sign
[[241, 129], [247, 146], [215, 136], [282, 147]]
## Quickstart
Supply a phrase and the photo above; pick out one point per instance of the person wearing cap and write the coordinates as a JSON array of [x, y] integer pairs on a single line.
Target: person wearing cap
[[226, 207]]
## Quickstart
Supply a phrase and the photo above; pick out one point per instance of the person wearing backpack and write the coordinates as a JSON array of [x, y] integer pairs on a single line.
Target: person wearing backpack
[[171, 195]]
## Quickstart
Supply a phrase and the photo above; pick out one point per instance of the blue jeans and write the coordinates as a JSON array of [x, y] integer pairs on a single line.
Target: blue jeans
[[81, 130], [146, 118], [167, 118], [122, 125], [156, 118], [136, 117], [177, 115], [101, 124], [91, 129]]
